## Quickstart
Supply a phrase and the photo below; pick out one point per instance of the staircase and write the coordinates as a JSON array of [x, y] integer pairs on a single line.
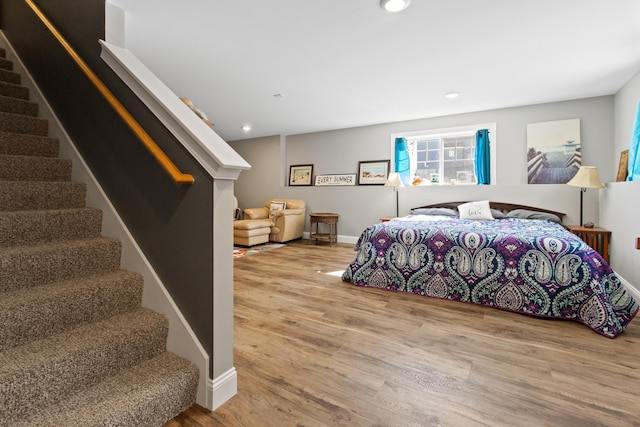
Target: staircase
[[76, 346]]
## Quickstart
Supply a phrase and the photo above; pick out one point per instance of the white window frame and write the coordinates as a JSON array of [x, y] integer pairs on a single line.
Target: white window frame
[[444, 132]]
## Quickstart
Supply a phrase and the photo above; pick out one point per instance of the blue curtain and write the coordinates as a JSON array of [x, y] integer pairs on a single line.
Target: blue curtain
[[633, 173], [403, 163], [483, 157]]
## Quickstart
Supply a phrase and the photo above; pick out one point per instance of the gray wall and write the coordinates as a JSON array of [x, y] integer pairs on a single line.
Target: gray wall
[[620, 201], [338, 151]]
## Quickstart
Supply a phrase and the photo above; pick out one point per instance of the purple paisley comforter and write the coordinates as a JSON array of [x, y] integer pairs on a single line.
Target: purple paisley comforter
[[528, 266]]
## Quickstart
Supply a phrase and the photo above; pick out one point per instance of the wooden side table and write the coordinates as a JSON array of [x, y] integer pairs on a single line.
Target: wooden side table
[[331, 219], [596, 237]]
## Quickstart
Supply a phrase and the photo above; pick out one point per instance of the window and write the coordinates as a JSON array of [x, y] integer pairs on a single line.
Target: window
[[445, 156]]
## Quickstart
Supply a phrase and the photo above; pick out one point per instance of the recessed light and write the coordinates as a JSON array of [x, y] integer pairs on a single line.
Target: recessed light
[[394, 5], [246, 128], [452, 95]]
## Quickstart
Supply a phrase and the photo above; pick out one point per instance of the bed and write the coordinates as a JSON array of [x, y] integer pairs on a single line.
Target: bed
[[511, 257]]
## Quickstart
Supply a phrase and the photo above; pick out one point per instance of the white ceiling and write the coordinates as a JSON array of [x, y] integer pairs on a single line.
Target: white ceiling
[[347, 63]]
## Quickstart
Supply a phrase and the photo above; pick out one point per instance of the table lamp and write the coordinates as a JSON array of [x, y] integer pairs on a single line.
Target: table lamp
[[394, 181], [586, 177]]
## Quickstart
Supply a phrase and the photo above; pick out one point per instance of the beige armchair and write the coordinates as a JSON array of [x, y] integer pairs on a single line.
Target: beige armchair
[[285, 225]]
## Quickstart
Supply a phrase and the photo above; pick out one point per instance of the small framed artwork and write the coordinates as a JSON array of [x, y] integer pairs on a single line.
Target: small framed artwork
[[300, 174], [373, 172]]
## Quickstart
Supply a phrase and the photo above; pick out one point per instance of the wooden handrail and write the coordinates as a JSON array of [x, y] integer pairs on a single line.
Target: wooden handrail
[[143, 136]]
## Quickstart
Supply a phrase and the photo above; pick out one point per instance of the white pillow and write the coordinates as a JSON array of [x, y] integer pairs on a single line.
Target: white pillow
[[475, 210], [276, 206]]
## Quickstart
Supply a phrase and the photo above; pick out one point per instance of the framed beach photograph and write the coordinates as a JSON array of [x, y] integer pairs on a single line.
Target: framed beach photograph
[[300, 174], [373, 172], [554, 152]]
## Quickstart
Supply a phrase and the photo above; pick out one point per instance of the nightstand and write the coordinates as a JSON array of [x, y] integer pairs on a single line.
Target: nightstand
[[386, 218], [596, 237], [331, 219]]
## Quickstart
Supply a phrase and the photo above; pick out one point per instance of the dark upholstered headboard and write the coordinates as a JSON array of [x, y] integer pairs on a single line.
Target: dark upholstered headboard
[[503, 207]]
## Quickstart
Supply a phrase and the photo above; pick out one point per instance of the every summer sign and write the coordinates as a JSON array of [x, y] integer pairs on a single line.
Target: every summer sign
[[343, 179]]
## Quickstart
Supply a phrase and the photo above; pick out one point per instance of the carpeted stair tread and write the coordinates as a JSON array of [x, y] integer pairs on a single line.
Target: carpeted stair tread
[[9, 76], [19, 228], [30, 314], [28, 266], [13, 90], [28, 145], [6, 64], [45, 371], [32, 195], [146, 395], [19, 123], [17, 106], [32, 168]]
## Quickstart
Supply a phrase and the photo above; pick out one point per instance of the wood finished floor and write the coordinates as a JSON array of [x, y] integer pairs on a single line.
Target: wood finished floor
[[311, 350]]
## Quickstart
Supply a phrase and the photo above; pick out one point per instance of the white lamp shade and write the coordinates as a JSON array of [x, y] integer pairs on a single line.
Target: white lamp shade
[[586, 177], [394, 180]]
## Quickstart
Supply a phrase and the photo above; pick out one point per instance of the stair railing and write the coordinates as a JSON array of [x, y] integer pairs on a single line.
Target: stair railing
[[143, 136]]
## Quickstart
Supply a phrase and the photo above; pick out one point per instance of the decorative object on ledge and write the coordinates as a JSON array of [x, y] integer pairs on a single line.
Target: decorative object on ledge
[[197, 110], [623, 166], [586, 177], [395, 182], [300, 175], [338, 179], [373, 172]]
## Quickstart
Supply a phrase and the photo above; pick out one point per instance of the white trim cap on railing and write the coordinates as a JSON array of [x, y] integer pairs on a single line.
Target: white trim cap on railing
[[204, 144]]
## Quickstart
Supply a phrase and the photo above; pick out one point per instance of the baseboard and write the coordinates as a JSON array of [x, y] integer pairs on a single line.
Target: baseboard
[[634, 291], [181, 339], [341, 238], [222, 388]]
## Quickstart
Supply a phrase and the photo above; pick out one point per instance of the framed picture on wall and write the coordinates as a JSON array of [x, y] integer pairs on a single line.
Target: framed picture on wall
[[554, 152], [300, 174], [373, 172]]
